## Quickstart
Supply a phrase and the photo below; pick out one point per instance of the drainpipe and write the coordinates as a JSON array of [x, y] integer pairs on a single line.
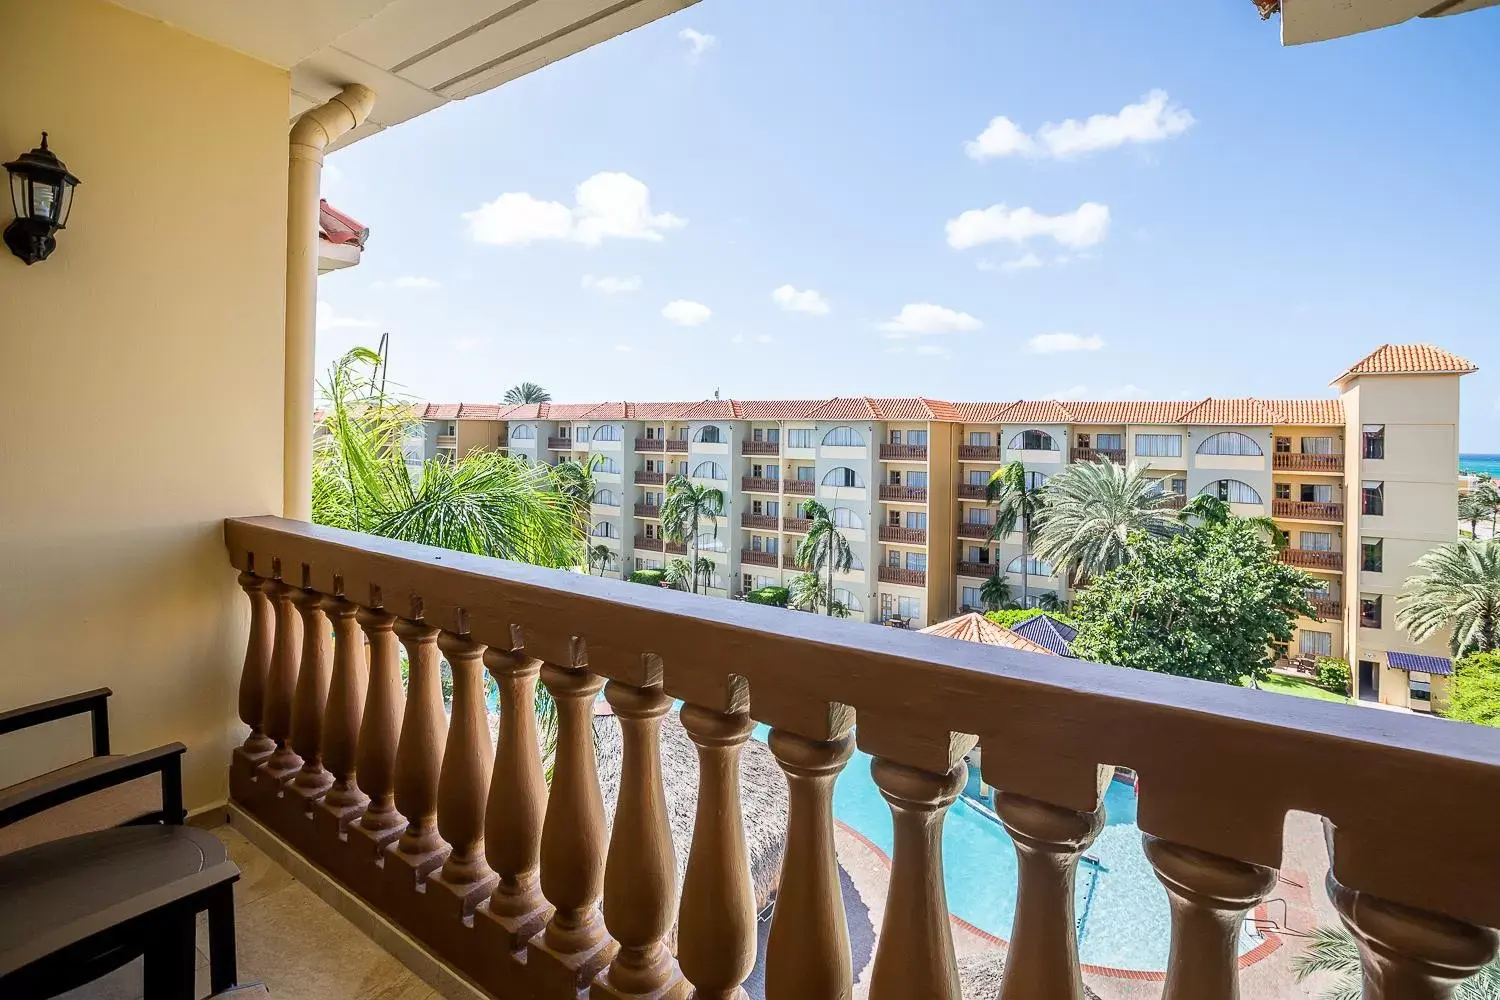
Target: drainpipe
[[312, 133]]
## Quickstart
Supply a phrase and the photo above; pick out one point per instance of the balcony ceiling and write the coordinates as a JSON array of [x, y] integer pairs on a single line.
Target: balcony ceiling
[[415, 54], [1319, 20]]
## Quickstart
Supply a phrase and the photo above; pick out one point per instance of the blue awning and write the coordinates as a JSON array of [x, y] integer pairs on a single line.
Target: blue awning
[[1440, 665]]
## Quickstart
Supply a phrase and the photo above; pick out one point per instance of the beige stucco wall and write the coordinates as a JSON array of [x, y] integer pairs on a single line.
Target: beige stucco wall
[[140, 376]]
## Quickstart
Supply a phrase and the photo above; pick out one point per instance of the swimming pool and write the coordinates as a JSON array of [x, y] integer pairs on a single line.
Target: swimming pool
[[1124, 920]]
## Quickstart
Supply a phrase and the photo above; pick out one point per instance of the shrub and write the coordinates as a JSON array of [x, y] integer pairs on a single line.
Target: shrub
[[1475, 691], [1013, 616], [775, 596], [1332, 673], [650, 577]]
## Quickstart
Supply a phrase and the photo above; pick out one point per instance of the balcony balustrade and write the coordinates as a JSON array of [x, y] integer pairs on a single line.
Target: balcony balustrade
[[1115, 455], [560, 443], [447, 441], [799, 487], [1175, 501], [650, 478], [908, 536], [789, 561], [755, 557], [1329, 609], [903, 452], [675, 548], [979, 453], [982, 571], [760, 447], [1313, 558], [649, 444], [796, 525], [760, 484], [649, 544], [765, 522], [908, 577], [1292, 461], [677, 445], [521, 885], [970, 491], [647, 510], [1304, 510], [971, 529], [903, 494]]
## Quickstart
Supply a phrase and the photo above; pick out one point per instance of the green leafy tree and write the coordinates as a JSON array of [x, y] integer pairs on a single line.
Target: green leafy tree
[[1205, 508], [1474, 693], [1017, 497], [824, 549], [1454, 588], [776, 597], [601, 556], [1094, 509], [527, 392], [683, 511], [1333, 950], [1479, 504], [1213, 602], [996, 592], [649, 577], [680, 574], [1014, 616], [807, 593]]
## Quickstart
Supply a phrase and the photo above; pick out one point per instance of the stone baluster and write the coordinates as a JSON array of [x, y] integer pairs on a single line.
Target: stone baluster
[[281, 681], [379, 731], [1042, 960], [311, 696], [419, 757], [716, 925], [513, 815], [573, 948], [914, 956], [640, 875], [258, 648], [808, 951], [465, 779], [342, 716], [1209, 896], [1410, 954]]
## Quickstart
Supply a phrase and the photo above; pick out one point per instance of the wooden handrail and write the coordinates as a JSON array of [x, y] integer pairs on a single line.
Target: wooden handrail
[[1308, 510], [1297, 461], [1051, 730]]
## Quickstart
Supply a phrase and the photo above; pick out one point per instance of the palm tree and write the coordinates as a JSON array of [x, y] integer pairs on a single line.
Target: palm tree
[[1332, 949], [601, 555], [806, 593], [1209, 509], [678, 572], [684, 508], [575, 480], [527, 392], [1096, 511], [996, 592], [1455, 588], [1478, 504], [1017, 498], [824, 547]]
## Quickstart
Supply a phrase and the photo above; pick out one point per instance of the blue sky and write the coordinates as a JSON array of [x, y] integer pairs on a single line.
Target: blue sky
[[1247, 220]]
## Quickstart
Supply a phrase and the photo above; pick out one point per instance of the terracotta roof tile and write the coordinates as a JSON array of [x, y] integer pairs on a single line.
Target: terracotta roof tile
[[843, 408], [974, 627], [1231, 411], [442, 411], [338, 228], [1309, 412], [1035, 411], [479, 411], [1409, 359], [1130, 411], [779, 409]]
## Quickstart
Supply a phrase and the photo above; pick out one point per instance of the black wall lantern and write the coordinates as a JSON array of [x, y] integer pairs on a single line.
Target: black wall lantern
[[41, 189]]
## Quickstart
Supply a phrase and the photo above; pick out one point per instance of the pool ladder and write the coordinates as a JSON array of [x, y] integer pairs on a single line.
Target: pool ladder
[[1096, 868]]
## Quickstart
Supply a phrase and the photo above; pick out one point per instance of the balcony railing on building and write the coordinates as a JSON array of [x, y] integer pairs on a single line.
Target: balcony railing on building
[[974, 529], [560, 444], [1329, 609], [652, 544], [675, 548], [518, 881], [789, 561], [970, 491], [1176, 501], [897, 533], [647, 510], [649, 444], [760, 447], [755, 557], [800, 487], [1308, 510], [650, 478], [898, 574], [903, 452], [980, 570], [1293, 461], [447, 441], [760, 484], [677, 445], [1313, 558], [1115, 455], [765, 522], [903, 494], [979, 453], [797, 525]]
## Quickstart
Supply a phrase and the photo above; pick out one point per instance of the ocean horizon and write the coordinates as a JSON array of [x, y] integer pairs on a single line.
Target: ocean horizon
[[1480, 463]]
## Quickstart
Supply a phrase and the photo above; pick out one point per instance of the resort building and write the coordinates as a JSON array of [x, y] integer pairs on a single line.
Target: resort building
[[1360, 484]]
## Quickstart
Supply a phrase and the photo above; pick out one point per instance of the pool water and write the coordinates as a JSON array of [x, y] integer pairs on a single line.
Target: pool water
[[1123, 918]]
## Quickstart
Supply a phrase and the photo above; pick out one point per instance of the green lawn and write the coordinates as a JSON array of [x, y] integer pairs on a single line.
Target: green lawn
[[1298, 687]]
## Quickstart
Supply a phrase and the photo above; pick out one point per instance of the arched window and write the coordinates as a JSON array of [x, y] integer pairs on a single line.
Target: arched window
[[709, 470], [1232, 491], [608, 465], [1034, 566], [605, 529], [609, 432], [843, 437], [843, 517], [525, 432], [842, 476], [606, 498], [709, 542], [1229, 443], [1035, 480], [847, 599], [1033, 441], [708, 434]]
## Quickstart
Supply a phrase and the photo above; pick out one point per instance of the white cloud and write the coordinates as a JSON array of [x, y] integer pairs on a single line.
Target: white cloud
[[1152, 119], [1025, 262], [698, 42], [738, 338], [685, 312], [808, 301], [1083, 392], [624, 348], [1085, 226], [612, 286], [1054, 343], [605, 205], [918, 318], [764, 338], [328, 319]]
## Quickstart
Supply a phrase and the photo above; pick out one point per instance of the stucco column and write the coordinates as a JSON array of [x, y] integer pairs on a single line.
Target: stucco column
[[311, 135]]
